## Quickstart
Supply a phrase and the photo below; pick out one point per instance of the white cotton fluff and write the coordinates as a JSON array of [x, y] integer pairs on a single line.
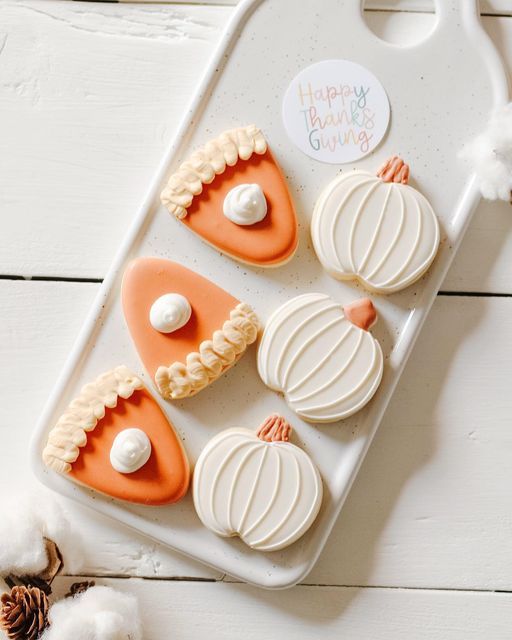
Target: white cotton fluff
[[100, 613], [490, 155], [26, 520]]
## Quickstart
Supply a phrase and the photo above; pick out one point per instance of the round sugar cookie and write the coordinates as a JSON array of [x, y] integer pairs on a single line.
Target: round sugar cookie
[[321, 356], [257, 485], [375, 228]]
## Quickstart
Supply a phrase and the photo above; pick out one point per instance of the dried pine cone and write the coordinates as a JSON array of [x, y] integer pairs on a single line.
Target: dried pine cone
[[24, 613]]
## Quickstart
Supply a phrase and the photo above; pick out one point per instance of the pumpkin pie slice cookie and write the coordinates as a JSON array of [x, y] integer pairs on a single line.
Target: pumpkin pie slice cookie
[[231, 193], [114, 438], [187, 330]]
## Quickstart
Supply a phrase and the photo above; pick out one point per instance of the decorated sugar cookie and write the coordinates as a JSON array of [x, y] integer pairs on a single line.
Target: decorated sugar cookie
[[187, 331], [321, 355], [376, 229], [257, 486], [114, 438], [231, 193]]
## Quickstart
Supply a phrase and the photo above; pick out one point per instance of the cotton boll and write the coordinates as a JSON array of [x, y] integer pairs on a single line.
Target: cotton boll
[[26, 521], [490, 155], [22, 548], [100, 613], [108, 625]]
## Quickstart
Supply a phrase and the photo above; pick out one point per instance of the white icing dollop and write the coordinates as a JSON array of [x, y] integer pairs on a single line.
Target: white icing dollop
[[170, 312], [245, 204], [130, 450]]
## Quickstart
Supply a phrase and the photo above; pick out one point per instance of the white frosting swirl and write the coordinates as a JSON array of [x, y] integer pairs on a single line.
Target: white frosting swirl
[[245, 204], [130, 450], [170, 312]]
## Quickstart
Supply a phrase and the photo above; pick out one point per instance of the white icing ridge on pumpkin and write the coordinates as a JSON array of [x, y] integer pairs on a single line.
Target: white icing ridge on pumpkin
[[215, 356], [384, 234], [326, 367], [268, 493], [83, 414], [207, 162]]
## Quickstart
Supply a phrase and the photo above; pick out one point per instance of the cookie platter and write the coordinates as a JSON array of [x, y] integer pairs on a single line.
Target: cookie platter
[[265, 299]]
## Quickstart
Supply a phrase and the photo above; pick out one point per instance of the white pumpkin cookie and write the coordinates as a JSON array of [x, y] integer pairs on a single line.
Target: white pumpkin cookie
[[321, 355], [257, 486], [376, 229]]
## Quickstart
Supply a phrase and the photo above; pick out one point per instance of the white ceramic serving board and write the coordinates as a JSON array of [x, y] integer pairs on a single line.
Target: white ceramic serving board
[[440, 92]]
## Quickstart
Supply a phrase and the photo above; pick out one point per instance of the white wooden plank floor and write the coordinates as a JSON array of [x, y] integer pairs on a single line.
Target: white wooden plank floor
[[89, 96]]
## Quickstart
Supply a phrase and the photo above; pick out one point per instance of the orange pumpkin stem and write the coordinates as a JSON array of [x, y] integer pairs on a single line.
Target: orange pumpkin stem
[[274, 429], [362, 313], [394, 170]]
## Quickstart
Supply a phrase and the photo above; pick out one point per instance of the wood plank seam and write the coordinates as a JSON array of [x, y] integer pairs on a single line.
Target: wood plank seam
[[125, 576], [474, 294], [50, 278], [447, 293], [373, 7], [225, 579]]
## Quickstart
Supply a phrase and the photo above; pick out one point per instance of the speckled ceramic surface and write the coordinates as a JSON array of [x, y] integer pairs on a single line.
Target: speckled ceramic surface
[[455, 65]]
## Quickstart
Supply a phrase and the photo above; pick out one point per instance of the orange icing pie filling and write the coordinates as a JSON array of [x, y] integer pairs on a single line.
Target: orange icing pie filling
[[114, 438], [187, 330], [232, 193]]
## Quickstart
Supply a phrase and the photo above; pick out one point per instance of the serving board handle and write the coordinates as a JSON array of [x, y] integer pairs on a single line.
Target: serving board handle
[[451, 15], [451, 12]]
